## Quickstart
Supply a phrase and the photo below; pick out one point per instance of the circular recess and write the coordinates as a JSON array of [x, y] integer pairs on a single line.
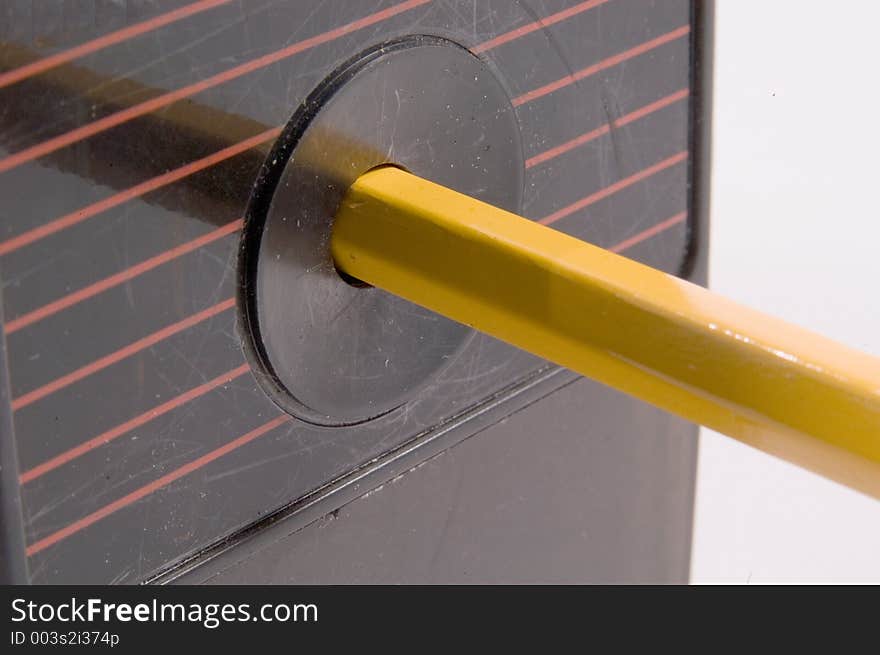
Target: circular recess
[[325, 350]]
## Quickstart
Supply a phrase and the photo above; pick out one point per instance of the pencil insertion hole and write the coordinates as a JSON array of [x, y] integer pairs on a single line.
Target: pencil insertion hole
[[351, 280]]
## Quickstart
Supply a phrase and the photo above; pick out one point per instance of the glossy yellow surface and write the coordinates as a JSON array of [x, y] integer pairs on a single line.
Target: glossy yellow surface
[[770, 384]]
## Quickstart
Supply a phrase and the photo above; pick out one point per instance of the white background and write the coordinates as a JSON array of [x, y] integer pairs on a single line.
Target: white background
[[795, 232]]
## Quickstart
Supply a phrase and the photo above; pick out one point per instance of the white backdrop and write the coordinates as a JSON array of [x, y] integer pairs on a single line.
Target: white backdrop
[[795, 232]]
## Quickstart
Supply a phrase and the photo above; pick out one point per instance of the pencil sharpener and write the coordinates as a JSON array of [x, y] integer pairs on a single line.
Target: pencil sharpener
[[195, 394]]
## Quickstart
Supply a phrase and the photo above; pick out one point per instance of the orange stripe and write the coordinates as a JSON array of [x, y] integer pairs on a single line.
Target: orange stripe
[[614, 188], [128, 426], [604, 129], [147, 489], [117, 279], [152, 184], [602, 65], [120, 117], [650, 232], [122, 353], [539, 24], [53, 61]]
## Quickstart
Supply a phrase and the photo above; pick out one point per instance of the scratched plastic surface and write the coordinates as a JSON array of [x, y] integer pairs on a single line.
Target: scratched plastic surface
[[125, 168]]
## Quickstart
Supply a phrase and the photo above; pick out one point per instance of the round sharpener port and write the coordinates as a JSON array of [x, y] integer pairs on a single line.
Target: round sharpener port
[[325, 350]]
